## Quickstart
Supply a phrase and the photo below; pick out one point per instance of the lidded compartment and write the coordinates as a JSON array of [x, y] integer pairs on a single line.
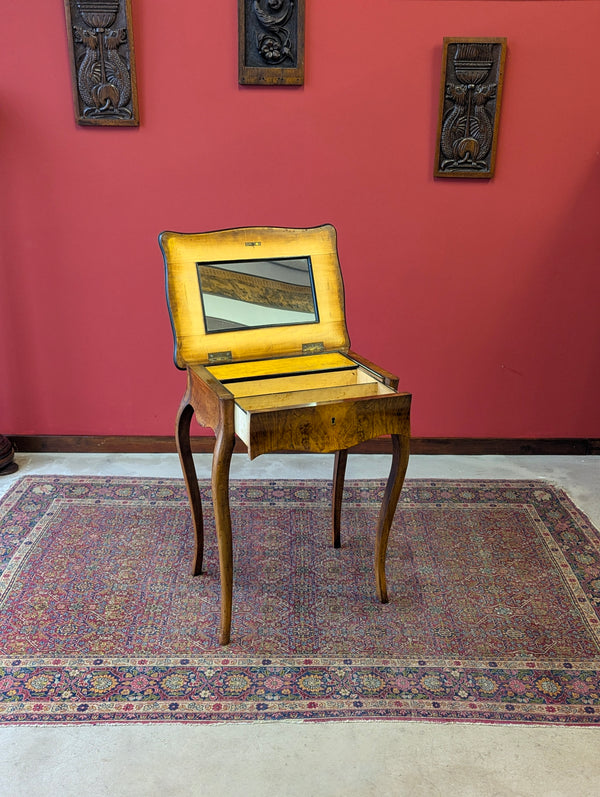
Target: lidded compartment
[[319, 403]]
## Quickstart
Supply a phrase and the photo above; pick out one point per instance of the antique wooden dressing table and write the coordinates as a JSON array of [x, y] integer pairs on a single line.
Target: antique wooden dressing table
[[259, 325]]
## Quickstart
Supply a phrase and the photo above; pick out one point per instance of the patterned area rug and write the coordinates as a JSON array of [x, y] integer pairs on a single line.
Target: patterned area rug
[[493, 614]]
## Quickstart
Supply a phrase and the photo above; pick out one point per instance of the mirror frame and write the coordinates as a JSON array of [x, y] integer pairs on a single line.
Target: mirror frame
[[234, 281]]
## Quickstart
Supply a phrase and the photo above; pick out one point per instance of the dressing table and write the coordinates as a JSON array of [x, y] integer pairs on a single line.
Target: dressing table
[[258, 321]]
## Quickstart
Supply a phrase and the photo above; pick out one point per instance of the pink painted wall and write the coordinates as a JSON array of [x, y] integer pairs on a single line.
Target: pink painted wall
[[482, 295]]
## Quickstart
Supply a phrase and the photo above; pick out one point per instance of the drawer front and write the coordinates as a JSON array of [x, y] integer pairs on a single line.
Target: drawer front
[[326, 427]]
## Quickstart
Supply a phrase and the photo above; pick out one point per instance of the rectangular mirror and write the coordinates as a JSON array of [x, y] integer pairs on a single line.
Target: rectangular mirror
[[251, 294]]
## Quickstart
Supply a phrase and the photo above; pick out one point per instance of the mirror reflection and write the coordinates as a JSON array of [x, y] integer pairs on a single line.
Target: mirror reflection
[[247, 294]]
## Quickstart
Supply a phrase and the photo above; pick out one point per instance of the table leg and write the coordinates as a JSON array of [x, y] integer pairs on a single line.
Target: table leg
[[220, 491], [339, 472], [184, 449], [401, 450]]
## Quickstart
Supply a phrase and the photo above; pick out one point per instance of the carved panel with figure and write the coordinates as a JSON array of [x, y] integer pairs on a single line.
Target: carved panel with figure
[[470, 94], [100, 38]]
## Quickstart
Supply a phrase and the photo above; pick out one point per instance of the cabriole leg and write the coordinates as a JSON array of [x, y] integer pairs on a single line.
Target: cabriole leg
[[220, 490], [401, 451], [184, 449], [339, 472]]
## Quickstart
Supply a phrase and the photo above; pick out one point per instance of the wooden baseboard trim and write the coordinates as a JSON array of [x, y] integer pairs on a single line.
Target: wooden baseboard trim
[[142, 444]]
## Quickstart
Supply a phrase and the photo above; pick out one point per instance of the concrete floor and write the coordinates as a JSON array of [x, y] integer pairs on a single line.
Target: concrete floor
[[321, 759]]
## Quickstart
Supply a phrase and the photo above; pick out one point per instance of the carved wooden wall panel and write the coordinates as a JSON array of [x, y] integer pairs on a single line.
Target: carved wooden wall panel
[[102, 59], [470, 94], [271, 42]]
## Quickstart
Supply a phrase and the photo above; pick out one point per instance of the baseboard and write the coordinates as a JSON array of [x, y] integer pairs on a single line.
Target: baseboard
[[142, 444]]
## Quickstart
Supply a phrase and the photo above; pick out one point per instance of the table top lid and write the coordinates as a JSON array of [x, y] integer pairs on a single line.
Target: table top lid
[[254, 292]]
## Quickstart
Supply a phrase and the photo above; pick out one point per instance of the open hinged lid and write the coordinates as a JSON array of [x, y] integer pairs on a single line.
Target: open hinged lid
[[254, 292]]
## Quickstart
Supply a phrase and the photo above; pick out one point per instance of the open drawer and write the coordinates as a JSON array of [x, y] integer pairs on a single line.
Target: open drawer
[[320, 402]]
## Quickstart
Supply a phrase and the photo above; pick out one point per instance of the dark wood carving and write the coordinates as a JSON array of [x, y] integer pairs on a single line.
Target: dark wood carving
[[470, 94], [271, 42], [102, 59]]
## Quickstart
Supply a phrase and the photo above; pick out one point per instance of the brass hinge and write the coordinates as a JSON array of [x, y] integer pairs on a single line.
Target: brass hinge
[[313, 348], [219, 357]]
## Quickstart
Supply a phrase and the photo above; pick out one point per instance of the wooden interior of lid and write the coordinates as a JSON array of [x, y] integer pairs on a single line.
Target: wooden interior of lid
[[183, 252]]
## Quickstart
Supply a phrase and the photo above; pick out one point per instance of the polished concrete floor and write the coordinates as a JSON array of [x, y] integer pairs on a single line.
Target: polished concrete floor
[[350, 759]]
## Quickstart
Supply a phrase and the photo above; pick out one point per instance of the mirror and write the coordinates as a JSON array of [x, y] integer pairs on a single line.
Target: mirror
[[248, 294]]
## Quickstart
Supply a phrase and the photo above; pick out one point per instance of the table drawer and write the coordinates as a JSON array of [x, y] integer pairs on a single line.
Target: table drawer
[[324, 425]]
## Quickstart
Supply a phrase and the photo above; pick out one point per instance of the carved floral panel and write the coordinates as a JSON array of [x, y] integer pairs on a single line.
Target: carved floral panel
[[271, 42]]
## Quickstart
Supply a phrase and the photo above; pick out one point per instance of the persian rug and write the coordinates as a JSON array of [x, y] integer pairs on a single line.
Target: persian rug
[[493, 614]]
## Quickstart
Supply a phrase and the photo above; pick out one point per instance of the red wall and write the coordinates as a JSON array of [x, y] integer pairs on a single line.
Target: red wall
[[482, 295]]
